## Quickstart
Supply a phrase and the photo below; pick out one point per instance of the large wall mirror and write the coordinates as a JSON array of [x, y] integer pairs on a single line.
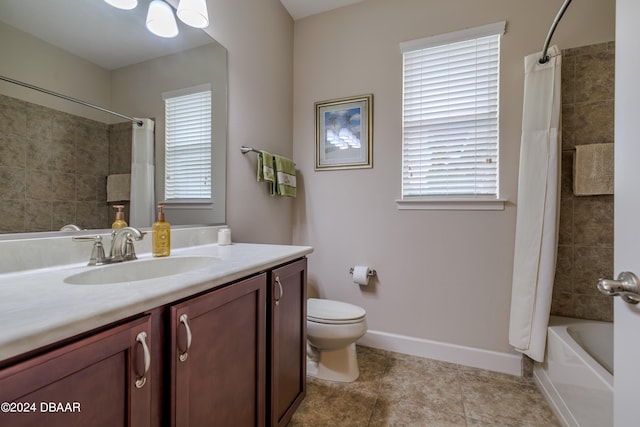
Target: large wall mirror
[[55, 155]]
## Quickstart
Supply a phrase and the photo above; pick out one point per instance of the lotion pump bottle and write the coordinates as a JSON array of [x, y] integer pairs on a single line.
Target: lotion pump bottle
[[119, 222], [161, 235]]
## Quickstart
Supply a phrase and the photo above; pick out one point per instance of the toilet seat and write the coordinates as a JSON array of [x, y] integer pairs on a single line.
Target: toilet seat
[[333, 312]]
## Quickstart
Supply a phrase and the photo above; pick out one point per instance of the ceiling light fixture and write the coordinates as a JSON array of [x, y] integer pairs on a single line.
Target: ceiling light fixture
[[123, 4], [193, 13], [160, 20]]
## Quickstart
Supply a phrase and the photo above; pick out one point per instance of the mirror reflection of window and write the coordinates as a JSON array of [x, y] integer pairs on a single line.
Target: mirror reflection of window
[[188, 144]]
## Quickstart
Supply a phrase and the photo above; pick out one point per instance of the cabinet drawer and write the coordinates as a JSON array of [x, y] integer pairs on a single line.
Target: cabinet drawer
[[96, 381]]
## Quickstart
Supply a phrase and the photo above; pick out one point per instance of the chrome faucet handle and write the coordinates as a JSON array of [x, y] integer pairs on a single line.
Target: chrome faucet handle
[[129, 249], [97, 252]]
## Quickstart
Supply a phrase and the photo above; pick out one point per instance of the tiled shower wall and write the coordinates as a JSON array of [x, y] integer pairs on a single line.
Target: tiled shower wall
[[53, 167], [585, 247]]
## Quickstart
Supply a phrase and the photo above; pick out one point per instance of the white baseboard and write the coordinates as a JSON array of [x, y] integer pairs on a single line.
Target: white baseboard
[[469, 356]]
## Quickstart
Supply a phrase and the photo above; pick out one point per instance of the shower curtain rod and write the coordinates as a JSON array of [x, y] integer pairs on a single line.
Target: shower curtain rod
[[545, 58], [68, 98]]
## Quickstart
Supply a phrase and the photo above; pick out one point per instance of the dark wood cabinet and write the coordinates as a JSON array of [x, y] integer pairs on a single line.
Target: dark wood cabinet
[[233, 356], [218, 343], [96, 381], [287, 340]]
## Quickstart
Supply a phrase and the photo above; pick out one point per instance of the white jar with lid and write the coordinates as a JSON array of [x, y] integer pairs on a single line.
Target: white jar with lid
[[224, 236]]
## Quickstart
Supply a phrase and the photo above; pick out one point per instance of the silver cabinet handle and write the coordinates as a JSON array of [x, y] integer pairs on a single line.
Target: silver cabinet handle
[[281, 291], [627, 286], [142, 339], [185, 321]]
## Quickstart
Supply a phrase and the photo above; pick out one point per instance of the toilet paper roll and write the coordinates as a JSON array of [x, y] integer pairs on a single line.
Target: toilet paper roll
[[361, 275]]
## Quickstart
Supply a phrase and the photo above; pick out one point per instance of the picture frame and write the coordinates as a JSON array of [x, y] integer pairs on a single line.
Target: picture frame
[[344, 133]]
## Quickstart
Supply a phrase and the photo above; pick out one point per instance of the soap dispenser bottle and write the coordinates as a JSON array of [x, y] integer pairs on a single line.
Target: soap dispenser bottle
[[161, 235], [119, 222]]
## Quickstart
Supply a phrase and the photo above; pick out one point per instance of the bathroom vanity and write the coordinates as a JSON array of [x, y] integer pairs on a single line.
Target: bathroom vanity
[[220, 344]]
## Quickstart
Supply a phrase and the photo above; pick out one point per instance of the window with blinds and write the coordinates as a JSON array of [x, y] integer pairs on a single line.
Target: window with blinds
[[188, 144], [450, 114]]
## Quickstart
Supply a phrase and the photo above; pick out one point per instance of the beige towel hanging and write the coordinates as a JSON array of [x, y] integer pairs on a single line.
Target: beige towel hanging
[[593, 170], [118, 187]]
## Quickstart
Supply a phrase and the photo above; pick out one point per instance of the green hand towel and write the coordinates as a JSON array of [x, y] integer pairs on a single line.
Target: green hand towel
[[285, 171], [266, 172]]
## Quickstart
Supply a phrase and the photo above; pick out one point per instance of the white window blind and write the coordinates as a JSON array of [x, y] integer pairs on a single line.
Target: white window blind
[[450, 114], [188, 144]]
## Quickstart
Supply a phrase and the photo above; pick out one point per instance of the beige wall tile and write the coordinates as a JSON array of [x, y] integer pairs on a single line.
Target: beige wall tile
[[50, 161], [586, 223]]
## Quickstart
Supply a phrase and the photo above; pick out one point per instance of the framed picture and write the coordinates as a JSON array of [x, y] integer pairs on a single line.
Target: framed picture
[[344, 133]]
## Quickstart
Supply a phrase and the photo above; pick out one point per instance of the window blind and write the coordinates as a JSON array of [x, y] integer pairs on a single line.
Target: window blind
[[188, 145], [450, 114]]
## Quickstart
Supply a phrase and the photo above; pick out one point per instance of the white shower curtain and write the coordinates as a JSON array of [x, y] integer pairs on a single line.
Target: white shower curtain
[[142, 209], [537, 210]]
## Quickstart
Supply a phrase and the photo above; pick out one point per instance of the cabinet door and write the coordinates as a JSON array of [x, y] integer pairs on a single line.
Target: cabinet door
[[96, 381], [218, 357], [288, 361]]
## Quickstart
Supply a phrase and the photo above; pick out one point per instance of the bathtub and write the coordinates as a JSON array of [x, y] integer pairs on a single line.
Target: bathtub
[[576, 377]]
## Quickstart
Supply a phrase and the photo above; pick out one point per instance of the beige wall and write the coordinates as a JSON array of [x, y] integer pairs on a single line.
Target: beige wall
[[442, 275], [259, 38], [138, 89], [29, 59]]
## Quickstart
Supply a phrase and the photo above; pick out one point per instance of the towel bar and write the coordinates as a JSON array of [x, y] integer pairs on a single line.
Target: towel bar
[[246, 149]]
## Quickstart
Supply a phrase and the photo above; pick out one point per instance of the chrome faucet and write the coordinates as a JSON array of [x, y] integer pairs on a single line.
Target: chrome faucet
[[122, 248], [70, 227]]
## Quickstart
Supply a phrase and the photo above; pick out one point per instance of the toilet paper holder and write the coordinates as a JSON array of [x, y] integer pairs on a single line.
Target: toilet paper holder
[[370, 273]]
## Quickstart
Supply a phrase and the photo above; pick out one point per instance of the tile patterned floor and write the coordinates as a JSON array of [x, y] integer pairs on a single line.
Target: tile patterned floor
[[400, 390]]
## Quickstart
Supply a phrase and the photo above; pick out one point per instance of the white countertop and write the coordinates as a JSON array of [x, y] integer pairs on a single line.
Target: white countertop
[[37, 308]]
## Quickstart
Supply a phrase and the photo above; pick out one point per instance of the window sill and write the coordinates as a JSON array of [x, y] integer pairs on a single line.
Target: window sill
[[452, 204], [188, 204]]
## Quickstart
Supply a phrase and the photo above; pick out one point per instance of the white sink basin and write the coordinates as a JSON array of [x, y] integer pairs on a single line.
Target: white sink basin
[[132, 271]]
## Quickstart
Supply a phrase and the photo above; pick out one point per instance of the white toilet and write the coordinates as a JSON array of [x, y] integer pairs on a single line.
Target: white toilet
[[332, 330]]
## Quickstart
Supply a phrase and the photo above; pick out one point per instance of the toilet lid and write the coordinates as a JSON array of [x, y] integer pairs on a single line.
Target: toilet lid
[[329, 311]]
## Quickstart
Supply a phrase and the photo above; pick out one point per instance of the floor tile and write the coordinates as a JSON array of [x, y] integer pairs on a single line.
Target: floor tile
[[431, 385], [402, 413], [395, 389], [505, 402]]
